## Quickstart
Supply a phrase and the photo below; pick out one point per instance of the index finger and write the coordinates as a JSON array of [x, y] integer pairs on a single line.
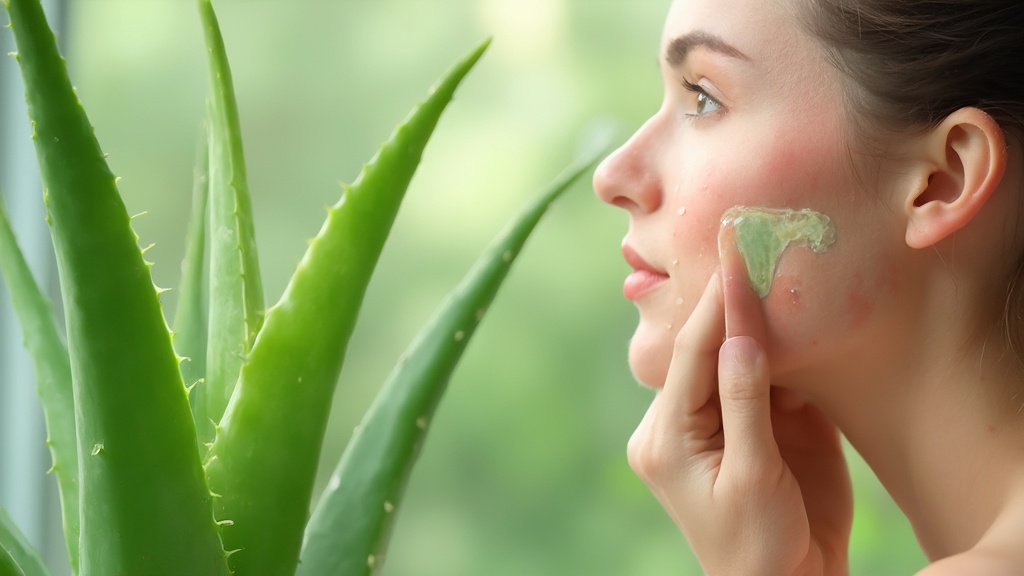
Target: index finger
[[690, 381], [743, 313]]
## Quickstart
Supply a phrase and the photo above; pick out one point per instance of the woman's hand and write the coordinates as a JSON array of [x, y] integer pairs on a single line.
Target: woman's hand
[[753, 476]]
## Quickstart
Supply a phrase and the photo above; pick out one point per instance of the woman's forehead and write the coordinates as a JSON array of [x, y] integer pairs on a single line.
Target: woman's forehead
[[751, 26], [767, 33]]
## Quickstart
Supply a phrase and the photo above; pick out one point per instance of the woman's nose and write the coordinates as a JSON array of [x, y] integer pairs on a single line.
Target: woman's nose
[[628, 178]]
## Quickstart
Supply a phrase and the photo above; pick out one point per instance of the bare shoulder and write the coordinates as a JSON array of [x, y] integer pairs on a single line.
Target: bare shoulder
[[977, 563]]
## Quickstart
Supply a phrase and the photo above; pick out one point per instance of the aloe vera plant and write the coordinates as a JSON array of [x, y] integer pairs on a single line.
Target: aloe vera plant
[[194, 451]]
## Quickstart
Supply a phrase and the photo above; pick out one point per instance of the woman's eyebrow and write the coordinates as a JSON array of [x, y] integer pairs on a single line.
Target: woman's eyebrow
[[679, 48]]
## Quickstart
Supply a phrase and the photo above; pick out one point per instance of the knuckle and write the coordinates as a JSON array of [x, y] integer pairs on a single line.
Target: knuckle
[[740, 387], [651, 456], [685, 339], [690, 343]]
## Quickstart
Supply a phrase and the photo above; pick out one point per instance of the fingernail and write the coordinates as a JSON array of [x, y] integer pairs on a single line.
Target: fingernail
[[739, 354]]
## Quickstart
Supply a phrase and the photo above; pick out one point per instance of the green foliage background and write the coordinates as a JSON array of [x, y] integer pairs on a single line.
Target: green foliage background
[[525, 470]]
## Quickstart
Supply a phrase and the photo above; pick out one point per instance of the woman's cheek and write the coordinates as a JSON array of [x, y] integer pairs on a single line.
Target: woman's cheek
[[790, 309], [695, 229], [786, 299], [818, 301]]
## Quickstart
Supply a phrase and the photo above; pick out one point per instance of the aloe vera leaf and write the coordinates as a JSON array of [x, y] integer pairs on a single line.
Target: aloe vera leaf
[[145, 505], [348, 531], [236, 292], [17, 556], [264, 459], [190, 325], [8, 565], [53, 377]]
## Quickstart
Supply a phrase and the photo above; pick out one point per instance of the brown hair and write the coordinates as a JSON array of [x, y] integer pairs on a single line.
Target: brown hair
[[914, 62], [910, 63]]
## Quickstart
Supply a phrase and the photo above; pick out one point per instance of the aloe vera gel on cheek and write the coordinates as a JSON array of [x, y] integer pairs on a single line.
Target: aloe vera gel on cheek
[[761, 236]]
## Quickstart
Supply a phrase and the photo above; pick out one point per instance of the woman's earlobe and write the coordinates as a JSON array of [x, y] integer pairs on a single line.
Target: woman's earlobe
[[966, 159]]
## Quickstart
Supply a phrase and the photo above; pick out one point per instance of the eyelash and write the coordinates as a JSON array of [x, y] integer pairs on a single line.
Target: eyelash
[[696, 89]]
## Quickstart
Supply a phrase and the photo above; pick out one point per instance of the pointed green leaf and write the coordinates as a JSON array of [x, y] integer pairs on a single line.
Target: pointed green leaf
[[17, 556], [236, 292], [145, 505], [348, 532], [190, 325], [53, 377], [8, 565], [265, 457]]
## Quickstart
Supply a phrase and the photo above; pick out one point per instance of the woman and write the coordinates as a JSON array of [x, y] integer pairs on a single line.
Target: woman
[[903, 123]]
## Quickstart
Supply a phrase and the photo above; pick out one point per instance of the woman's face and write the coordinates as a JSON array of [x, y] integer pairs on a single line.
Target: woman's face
[[752, 115]]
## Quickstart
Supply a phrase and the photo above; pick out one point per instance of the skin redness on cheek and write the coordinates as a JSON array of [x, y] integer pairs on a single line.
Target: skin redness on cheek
[[762, 234]]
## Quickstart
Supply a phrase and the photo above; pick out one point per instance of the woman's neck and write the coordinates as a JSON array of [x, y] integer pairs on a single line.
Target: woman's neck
[[947, 434]]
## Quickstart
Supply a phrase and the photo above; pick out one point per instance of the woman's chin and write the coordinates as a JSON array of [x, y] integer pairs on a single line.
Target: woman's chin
[[650, 352]]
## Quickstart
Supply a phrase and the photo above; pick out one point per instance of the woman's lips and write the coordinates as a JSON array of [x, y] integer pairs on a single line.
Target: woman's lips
[[644, 277]]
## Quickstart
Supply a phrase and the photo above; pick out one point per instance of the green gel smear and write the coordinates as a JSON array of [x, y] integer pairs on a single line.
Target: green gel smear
[[762, 234]]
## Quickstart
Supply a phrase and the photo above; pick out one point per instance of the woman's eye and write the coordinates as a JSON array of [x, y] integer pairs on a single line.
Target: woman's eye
[[706, 103]]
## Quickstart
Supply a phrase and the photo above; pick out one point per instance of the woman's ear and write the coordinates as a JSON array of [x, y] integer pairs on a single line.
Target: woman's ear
[[964, 160]]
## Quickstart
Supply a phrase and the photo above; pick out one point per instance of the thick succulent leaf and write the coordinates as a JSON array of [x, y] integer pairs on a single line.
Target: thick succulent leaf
[[53, 377], [348, 532], [190, 324], [145, 505], [236, 292], [8, 565], [17, 556], [265, 457]]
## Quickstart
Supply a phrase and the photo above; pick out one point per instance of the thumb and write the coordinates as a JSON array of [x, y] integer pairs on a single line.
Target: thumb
[[744, 390]]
